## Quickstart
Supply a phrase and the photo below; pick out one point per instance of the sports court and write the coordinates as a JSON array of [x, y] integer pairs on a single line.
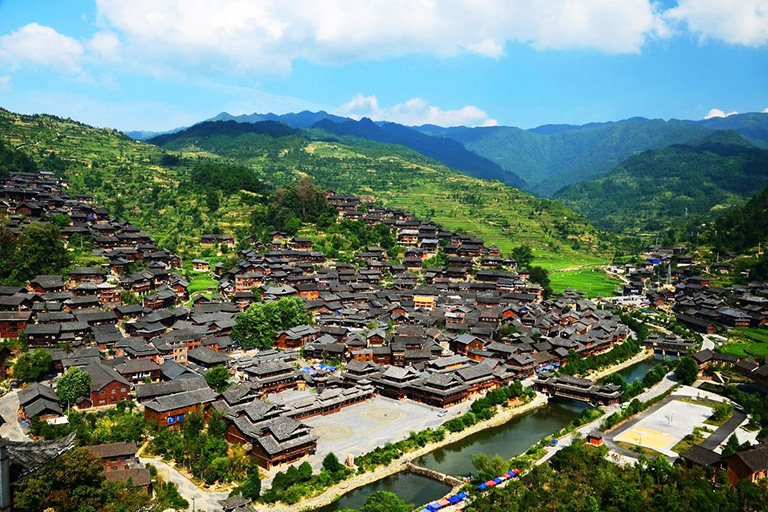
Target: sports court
[[666, 426]]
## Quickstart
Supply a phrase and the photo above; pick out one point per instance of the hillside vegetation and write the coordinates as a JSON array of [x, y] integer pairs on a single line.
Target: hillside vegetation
[[553, 156], [176, 199], [398, 177], [676, 188]]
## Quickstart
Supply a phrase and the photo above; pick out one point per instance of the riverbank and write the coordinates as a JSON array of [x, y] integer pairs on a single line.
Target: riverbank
[[641, 356], [333, 493]]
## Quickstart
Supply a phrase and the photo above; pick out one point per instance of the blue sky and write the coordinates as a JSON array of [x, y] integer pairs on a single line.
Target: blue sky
[[158, 64]]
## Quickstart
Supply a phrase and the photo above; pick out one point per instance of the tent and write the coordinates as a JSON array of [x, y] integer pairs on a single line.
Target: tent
[[443, 503], [454, 499], [461, 495], [482, 487], [490, 483], [432, 507], [498, 480]]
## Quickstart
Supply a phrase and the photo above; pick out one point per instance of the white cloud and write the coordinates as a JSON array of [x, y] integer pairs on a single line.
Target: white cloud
[[43, 46], [414, 112], [716, 112], [765, 111], [742, 22], [5, 83], [105, 45], [267, 35]]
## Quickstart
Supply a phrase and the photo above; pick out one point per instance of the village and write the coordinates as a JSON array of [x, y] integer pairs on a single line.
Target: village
[[391, 348]]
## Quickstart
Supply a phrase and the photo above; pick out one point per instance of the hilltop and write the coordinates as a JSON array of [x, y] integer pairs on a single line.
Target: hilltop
[[673, 188], [396, 176], [157, 188], [541, 160]]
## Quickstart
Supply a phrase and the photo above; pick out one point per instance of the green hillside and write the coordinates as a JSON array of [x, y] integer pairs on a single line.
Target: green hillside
[[743, 227], [398, 177], [553, 156], [674, 188], [165, 194]]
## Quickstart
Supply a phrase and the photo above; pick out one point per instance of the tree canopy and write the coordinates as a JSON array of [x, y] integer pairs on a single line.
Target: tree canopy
[[72, 385], [30, 366], [259, 324]]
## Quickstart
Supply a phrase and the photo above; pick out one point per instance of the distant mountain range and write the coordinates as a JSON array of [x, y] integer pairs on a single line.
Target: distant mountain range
[[541, 160], [678, 187]]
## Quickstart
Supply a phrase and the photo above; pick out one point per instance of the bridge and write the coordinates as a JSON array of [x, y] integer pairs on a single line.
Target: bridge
[[583, 390], [434, 475]]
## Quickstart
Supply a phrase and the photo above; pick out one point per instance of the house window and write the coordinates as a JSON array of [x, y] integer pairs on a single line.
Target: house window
[[101, 392], [122, 390]]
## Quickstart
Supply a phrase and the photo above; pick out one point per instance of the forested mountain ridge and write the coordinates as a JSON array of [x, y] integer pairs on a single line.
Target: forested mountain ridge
[[542, 159], [553, 156], [400, 177], [174, 196], [676, 187]]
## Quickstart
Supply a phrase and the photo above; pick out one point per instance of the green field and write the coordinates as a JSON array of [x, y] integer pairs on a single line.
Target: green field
[[201, 283], [748, 343], [592, 281]]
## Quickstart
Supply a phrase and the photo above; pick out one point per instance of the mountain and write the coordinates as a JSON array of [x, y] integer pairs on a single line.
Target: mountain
[[550, 157], [303, 119], [672, 188], [742, 227], [173, 192], [442, 149], [399, 177]]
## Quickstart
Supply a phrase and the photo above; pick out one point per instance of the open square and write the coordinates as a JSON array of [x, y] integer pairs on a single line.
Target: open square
[[666, 426], [360, 428]]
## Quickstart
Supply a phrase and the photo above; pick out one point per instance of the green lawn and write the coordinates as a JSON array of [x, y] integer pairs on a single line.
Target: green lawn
[[592, 281], [748, 343], [201, 283]]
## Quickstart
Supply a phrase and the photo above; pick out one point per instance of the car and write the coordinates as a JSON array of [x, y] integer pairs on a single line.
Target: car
[[442, 413]]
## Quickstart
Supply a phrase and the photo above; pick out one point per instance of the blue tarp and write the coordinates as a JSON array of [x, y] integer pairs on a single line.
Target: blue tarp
[[498, 480], [461, 495], [482, 487], [432, 507], [554, 442]]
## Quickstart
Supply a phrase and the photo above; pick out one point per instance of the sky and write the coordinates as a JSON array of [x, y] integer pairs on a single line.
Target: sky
[[159, 64]]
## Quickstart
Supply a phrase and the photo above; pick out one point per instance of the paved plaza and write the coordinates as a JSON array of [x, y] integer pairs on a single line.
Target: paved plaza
[[666, 426], [360, 428]]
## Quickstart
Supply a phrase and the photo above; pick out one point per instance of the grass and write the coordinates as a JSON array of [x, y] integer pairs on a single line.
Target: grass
[[691, 440], [201, 283], [593, 281], [748, 343]]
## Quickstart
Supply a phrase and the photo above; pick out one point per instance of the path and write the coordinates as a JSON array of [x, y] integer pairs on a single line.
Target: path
[[9, 409], [203, 500]]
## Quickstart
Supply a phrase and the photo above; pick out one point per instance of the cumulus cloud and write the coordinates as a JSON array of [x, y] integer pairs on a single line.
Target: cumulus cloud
[[105, 45], [716, 112], [42, 46], [414, 112], [268, 35], [765, 111], [742, 22]]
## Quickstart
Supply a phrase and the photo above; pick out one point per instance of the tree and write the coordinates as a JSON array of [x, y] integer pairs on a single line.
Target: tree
[[523, 254], [251, 488], [30, 366], [40, 250], [687, 371], [541, 276], [384, 501], [76, 482], [331, 463], [489, 467], [72, 385], [217, 378], [260, 323]]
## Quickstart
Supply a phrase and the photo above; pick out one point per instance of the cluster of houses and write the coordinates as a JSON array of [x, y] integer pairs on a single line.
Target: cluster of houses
[[434, 335]]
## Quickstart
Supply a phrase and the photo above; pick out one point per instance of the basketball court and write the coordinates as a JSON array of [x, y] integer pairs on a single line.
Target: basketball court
[[665, 427]]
